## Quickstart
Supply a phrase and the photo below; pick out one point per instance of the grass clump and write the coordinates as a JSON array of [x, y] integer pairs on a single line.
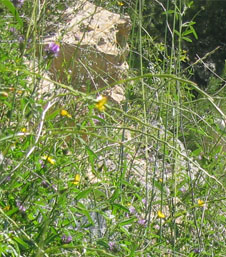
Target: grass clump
[[84, 176]]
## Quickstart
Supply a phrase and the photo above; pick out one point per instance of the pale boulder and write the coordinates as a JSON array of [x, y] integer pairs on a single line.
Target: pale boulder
[[93, 47]]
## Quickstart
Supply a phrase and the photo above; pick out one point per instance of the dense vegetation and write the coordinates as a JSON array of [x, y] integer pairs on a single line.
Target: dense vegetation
[[83, 176]]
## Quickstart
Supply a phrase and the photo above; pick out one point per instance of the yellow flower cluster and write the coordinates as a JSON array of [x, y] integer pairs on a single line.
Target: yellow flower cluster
[[65, 113], [77, 179], [6, 208], [120, 3], [24, 130], [49, 159], [201, 203], [161, 215], [101, 101]]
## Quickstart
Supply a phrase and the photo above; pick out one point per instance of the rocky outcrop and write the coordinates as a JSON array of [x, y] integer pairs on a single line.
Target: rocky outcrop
[[93, 47]]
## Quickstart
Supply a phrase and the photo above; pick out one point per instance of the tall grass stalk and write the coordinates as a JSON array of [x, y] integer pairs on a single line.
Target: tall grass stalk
[[140, 178]]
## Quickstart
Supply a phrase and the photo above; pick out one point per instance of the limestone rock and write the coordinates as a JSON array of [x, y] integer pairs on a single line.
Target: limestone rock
[[93, 47]]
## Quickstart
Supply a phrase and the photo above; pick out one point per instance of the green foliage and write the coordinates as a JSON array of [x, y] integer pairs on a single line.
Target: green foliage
[[84, 178], [11, 8]]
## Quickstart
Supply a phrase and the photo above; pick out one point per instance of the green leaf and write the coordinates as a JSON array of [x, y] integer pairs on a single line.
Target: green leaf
[[127, 221], [196, 152], [21, 242], [92, 156], [187, 39], [98, 252], [102, 242], [98, 118], [83, 194], [13, 10], [177, 33], [98, 193], [119, 206], [168, 12], [52, 115], [12, 211], [199, 131], [194, 32], [158, 185], [187, 32], [115, 195], [81, 209], [124, 230]]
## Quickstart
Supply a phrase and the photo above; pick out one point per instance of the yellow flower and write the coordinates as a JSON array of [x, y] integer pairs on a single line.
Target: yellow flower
[[65, 113], [6, 208], [49, 159], [76, 179], [200, 203], [120, 3], [161, 215], [101, 101], [23, 130]]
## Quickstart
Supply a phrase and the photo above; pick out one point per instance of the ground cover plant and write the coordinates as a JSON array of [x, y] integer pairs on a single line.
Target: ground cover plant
[[81, 175]]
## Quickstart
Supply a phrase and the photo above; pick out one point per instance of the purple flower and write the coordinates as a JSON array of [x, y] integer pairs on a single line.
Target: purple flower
[[8, 178], [54, 187], [13, 30], [144, 201], [112, 245], [142, 222], [66, 239], [21, 207], [20, 39], [182, 189], [18, 3], [132, 210], [45, 184], [16, 34], [53, 49], [196, 250]]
